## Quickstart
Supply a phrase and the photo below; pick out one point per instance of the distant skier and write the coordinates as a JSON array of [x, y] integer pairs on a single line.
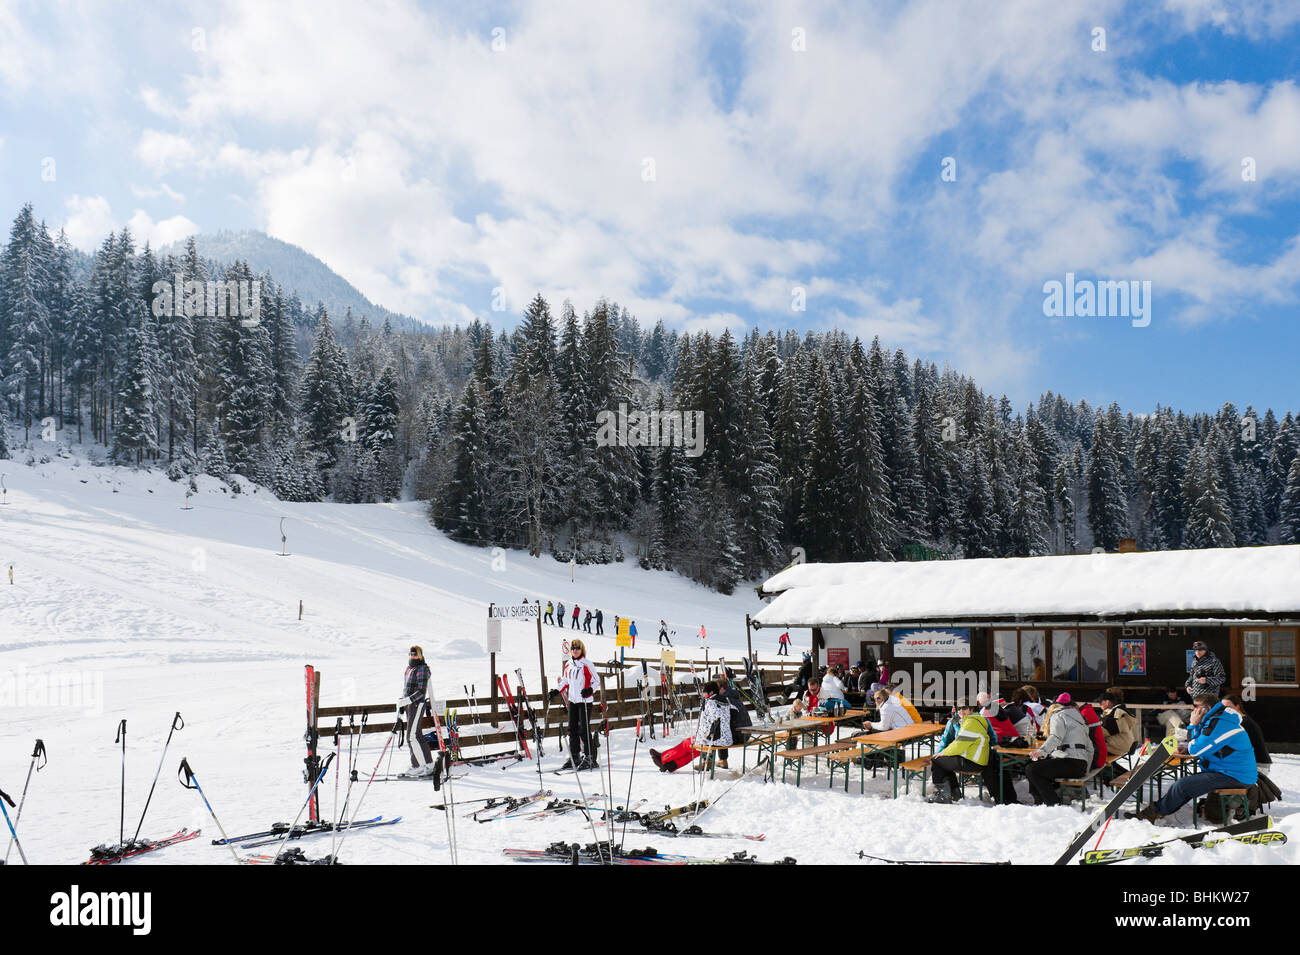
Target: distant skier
[[631, 632], [704, 637], [600, 621], [577, 686], [783, 644], [550, 613], [415, 687], [559, 615], [575, 617], [663, 634], [586, 621]]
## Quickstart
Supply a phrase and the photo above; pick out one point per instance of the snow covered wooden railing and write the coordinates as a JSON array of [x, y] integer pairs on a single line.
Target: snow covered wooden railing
[[490, 725]]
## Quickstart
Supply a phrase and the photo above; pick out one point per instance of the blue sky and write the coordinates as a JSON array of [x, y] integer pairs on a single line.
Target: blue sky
[[699, 163]]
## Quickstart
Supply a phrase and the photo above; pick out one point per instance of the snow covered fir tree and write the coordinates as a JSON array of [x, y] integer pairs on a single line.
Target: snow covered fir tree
[[818, 441]]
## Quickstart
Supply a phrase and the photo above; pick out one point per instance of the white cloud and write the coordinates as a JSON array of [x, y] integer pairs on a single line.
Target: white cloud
[[158, 234], [156, 192], [88, 222], [162, 151]]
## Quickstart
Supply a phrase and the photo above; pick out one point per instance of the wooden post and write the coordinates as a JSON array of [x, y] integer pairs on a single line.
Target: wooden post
[[492, 663], [541, 657], [300, 609]]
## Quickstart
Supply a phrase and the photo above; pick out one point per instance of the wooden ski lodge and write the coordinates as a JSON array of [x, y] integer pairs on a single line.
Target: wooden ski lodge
[[1077, 623]]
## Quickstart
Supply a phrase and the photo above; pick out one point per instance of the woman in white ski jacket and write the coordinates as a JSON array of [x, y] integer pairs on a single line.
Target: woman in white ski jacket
[[1065, 754], [577, 686]]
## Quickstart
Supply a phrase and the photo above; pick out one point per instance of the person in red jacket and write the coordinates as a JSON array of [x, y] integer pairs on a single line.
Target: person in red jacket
[[1097, 734], [575, 618]]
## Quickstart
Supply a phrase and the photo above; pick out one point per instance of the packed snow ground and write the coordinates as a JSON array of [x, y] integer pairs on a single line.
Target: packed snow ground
[[146, 608]]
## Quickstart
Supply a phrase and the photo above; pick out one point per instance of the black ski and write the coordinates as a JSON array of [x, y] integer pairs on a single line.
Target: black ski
[[369, 824], [1145, 771]]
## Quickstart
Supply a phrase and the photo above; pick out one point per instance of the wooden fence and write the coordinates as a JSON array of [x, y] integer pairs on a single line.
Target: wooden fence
[[618, 690]]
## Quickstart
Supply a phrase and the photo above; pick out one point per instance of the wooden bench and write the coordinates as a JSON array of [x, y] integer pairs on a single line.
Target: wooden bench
[[1096, 774], [918, 768], [797, 756]]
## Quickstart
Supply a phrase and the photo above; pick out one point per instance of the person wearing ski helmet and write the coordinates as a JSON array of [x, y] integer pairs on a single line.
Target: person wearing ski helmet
[[577, 687], [663, 634], [415, 689]]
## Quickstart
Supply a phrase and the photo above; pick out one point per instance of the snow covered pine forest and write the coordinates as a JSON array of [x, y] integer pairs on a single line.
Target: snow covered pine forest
[[848, 451]]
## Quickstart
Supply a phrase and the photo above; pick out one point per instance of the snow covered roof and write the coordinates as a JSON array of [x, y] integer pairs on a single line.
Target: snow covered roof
[[1226, 582]]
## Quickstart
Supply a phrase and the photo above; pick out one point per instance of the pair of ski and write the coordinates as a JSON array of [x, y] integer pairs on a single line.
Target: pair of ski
[[604, 854], [254, 840], [108, 855], [521, 714], [1253, 832], [657, 815], [1129, 787], [506, 807]]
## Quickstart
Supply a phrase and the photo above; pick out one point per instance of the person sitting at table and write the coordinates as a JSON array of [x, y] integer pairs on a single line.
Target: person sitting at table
[[1028, 727], [810, 700], [1221, 746], [854, 692], [712, 729], [967, 752], [835, 699], [739, 714], [891, 712], [1268, 790], [1065, 754], [992, 710], [1119, 725], [1171, 718]]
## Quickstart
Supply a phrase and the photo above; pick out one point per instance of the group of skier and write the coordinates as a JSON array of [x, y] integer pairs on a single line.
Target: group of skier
[[555, 616]]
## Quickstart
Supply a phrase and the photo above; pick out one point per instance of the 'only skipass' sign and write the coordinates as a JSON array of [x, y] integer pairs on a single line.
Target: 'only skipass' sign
[[514, 611], [932, 642]]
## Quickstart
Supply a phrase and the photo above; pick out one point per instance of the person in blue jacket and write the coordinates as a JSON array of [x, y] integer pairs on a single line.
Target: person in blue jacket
[[1221, 745]]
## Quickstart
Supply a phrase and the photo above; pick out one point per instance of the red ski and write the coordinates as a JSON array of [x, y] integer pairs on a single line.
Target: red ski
[[108, 855], [514, 714]]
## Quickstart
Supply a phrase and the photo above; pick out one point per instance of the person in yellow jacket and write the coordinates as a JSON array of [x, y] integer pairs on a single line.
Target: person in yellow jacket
[[968, 752]]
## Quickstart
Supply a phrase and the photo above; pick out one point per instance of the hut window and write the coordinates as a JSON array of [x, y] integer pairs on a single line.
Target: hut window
[[1270, 656], [1079, 656], [1019, 654]]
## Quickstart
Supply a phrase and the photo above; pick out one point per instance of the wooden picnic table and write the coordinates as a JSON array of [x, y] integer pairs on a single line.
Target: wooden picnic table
[[888, 743], [765, 733]]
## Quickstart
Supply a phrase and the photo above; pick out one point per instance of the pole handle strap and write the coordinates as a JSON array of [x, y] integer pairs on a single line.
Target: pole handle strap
[[39, 753], [177, 722], [186, 775], [121, 733]]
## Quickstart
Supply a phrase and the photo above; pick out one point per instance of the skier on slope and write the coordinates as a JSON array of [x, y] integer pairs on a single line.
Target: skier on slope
[[631, 631], [415, 688], [663, 634], [550, 613], [783, 644], [559, 615], [577, 687], [600, 622], [586, 621], [575, 617]]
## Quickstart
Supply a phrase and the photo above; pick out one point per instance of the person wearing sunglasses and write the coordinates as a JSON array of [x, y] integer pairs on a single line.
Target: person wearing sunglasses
[[577, 686], [415, 688]]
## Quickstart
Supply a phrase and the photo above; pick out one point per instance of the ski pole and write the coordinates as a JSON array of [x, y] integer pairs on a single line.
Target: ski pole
[[353, 757], [189, 781], [312, 792], [338, 729], [37, 753], [397, 728], [627, 804], [121, 822], [4, 798], [177, 724]]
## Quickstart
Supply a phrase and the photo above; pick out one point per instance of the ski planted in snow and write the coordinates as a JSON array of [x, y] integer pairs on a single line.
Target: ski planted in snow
[[1133, 783], [312, 738]]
